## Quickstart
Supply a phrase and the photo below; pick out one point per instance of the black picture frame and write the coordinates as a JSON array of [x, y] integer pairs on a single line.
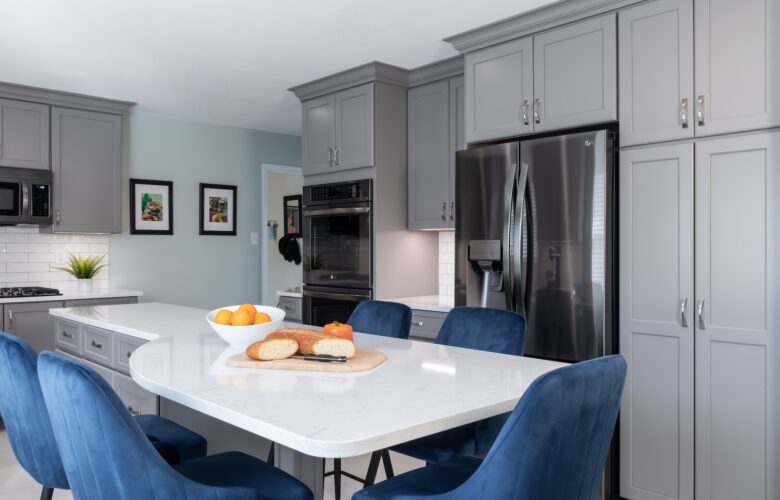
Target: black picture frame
[[167, 229], [292, 210], [232, 214]]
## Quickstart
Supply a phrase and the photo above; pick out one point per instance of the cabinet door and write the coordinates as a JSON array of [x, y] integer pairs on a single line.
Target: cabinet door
[[137, 400], [355, 128], [87, 169], [457, 134], [429, 155], [737, 64], [319, 139], [499, 90], [575, 74], [656, 72], [31, 321], [24, 134], [737, 216], [656, 322]]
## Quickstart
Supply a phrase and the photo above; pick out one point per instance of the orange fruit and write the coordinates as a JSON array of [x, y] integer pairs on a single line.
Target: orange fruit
[[242, 317], [248, 307], [261, 318], [223, 317]]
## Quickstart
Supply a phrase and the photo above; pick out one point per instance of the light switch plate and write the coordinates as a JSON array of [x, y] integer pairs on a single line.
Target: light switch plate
[[253, 239], [61, 257]]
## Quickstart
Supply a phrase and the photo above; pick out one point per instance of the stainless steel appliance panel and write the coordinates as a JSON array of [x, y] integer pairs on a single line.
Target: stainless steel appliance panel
[[323, 305]]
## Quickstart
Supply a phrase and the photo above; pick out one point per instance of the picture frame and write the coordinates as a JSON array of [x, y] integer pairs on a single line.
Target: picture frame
[[217, 207], [292, 215], [151, 207]]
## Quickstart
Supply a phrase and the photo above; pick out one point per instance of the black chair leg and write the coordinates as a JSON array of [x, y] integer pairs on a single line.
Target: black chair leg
[[337, 477], [373, 467], [388, 464], [270, 458], [47, 493]]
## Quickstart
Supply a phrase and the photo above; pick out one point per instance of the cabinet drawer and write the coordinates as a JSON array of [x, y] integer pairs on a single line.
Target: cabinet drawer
[[292, 307], [426, 324], [98, 345], [104, 372], [137, 400], [123, 349], [67, 336]]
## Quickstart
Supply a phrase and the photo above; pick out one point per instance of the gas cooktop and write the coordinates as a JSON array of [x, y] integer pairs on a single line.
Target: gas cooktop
[[27, 291]]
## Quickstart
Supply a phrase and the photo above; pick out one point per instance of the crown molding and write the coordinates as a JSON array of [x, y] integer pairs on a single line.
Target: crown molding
[[439, 70], [370, 72], [64, 99]]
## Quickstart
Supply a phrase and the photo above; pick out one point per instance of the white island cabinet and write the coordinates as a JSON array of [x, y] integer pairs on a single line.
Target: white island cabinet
[[419, 390]]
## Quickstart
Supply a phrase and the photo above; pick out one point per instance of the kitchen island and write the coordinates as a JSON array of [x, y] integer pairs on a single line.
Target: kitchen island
[[421, 389]]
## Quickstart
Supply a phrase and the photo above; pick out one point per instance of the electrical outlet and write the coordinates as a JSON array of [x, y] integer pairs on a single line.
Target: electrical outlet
[[61, 257], [253, 239]]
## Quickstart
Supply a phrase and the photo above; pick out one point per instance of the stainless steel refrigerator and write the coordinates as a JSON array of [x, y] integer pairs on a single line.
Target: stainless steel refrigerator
[[534, 234]]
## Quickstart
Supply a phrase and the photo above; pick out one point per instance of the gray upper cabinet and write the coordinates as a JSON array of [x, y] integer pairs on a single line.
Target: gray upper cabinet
[[657, 322], [656, 72], [354, 128], [457, 133], [737, 65], [575, 74], [499, 90], [319, 134], [31, 321], [429, 155], [24, 134], [87, 170]]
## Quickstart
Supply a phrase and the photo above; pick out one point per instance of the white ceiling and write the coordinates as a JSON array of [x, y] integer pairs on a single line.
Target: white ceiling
[[227, 62]]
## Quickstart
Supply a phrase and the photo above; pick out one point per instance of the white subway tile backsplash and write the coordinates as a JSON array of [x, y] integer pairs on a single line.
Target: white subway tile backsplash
[[27, 267], [13, 276], [13, 238], [40, 257], [26, 247], [14, 257], [98, 247], [447, 264]]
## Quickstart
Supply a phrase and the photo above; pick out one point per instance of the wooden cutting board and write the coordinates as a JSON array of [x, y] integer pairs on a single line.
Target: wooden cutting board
[[362, 361]]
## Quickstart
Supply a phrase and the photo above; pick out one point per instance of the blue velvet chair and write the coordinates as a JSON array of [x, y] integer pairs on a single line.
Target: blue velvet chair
[[473, 328], [388, 319], [553, 446], [106, 455], [29, 429], [377, 317]]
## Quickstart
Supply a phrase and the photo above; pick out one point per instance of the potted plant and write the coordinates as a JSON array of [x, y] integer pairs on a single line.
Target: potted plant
[[84, 269]]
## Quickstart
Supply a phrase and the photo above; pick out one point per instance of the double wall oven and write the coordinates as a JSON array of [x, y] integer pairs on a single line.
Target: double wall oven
[[337, 250]]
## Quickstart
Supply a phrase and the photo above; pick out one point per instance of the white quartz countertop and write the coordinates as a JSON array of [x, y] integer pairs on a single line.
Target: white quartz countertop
[[420, 389], [435, 303], [107, 293]]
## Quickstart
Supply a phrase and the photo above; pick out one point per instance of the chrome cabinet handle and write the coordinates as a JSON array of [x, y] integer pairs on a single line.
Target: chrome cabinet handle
[[57, 217], [700, 109], [525, 111], [330, 157], [336, 156], [452, 208], [443, 209], [701, 315], [132, 411], [537, 104], [96, 345], [67, 335], [683, 316], [684, 113], [418, 323], [10, 319], [129, 353]]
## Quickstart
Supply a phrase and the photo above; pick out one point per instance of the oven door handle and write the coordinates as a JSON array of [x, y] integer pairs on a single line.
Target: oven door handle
[[337, 211], [328, 295]]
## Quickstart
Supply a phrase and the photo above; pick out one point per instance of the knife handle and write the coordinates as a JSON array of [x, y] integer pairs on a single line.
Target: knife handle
[[325, 358]]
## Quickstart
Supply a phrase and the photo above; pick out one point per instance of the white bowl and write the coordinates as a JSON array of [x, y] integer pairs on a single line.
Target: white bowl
[[243, 336]]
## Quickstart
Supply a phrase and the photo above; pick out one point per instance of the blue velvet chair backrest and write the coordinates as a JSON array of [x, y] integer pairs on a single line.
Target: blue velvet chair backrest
[[484, 329], [388, 319], [556, 440], [105, 453], [25, 415]]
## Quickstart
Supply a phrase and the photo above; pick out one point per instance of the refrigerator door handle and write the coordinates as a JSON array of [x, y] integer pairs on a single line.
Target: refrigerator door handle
[[517, 261], [506, 255]]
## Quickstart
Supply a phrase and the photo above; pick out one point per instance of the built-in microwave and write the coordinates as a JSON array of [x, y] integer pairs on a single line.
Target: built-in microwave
[[25, 196]]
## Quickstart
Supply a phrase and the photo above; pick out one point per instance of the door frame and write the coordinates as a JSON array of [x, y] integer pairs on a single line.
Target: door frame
[[264, 169]]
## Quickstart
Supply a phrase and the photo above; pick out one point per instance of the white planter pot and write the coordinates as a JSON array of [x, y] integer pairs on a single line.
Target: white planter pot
[[85, 286]]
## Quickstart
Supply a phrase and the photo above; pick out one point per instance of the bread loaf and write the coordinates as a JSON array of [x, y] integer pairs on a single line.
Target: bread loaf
[[270, 349], [314, 342]]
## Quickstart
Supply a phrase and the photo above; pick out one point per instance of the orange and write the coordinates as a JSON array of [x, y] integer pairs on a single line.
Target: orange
[[261, 318], [223, 317], [242, 317], [248, 307]]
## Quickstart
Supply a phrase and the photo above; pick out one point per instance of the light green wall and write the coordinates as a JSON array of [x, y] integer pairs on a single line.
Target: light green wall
[[188, 269]]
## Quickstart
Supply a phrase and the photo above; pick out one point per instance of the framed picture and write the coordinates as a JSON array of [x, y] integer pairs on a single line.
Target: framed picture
[[292, 215], [218, 209], [151, 207]]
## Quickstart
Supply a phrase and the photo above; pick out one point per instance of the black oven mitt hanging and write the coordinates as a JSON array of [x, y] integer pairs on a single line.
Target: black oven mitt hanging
[[288, 247]]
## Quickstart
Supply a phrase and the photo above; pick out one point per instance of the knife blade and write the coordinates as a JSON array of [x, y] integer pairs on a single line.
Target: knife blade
[[323, 358]]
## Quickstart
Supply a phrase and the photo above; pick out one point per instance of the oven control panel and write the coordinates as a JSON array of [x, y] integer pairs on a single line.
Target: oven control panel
[[342, 192]]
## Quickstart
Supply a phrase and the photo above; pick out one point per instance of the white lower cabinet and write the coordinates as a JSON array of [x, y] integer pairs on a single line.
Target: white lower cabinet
[[698, 282]]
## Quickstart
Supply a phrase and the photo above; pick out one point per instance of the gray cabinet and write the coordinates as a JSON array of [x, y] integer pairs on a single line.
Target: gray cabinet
[[426, 324], [499, 90], [655, 47], [293, 308], [31, 321], [87, 170], [436, 132], [338, 131], [24, 134], [737, 69], [656, 322], [736, 329], [575, 74]]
